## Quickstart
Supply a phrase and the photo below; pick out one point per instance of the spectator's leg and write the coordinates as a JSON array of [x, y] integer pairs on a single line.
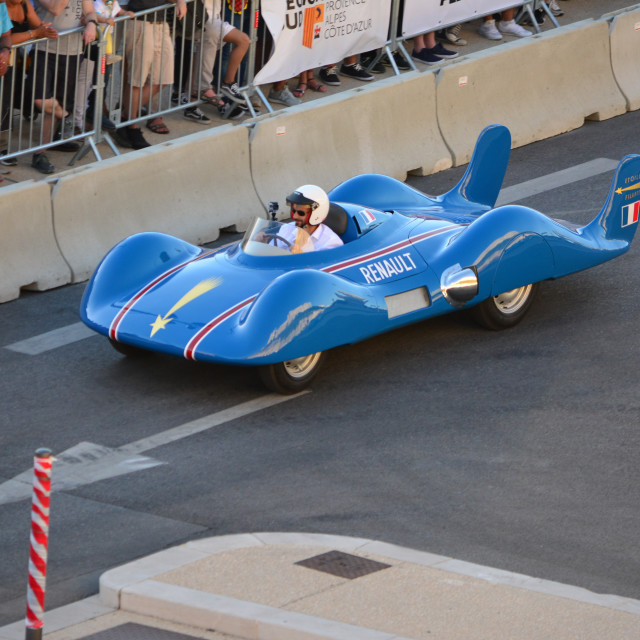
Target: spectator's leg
[[240, 41]]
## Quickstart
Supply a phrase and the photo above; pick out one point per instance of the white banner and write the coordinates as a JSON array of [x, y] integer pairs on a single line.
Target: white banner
[[312, 33], [421, 16]]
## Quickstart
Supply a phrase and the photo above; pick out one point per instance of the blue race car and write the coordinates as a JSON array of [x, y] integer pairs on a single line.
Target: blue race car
[[406, 257]]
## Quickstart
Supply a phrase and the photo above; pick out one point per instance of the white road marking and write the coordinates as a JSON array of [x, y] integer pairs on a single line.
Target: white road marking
[[87, 462], [555, 180], [52, 339], [78, 331]]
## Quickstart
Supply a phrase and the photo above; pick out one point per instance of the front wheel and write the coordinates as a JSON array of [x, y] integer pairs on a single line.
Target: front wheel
[[127, 349], [505, 310], [291, 376]]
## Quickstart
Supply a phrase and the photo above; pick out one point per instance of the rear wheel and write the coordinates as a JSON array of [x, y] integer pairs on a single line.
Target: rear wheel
[[505, 310], [291, 376]]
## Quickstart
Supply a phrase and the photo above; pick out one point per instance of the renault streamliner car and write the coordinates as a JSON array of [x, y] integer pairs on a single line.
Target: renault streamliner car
[[406, 257]]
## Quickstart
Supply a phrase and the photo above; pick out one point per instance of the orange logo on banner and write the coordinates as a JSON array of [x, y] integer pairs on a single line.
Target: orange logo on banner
[[312, 16]]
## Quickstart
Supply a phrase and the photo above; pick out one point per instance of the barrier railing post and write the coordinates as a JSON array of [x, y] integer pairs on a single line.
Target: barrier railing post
[[39, 543]]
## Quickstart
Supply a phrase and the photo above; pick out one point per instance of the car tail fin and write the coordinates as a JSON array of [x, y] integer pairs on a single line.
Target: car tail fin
[[618, 219], [483, 178]]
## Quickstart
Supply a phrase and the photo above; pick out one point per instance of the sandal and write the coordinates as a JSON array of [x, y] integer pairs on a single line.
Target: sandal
[[298, 92], [314, 85], [157, 126], [210, 97]]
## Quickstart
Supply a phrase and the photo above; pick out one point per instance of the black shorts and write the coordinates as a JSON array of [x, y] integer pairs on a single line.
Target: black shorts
[[52, 75]]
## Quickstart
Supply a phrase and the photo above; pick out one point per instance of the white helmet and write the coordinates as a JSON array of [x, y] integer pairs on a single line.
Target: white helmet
[[314, 196]]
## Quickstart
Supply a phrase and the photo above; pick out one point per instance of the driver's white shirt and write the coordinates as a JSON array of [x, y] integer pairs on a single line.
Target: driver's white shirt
[[322, 238]]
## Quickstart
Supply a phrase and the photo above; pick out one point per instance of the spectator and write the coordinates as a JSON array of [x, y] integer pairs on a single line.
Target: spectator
[[25, 25], [214, 28], [507, 25], [426, 50], [106, 12], [5, 50], [57, 71], [149, 66], [185, 64]]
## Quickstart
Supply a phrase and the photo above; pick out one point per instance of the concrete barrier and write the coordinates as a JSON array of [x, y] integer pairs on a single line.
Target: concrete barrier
[[625, 46], [29, 254], [539, 87], [191, 187], [386, 127]]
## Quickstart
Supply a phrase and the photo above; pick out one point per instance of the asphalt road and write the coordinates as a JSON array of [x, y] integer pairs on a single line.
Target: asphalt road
[[515, 449]]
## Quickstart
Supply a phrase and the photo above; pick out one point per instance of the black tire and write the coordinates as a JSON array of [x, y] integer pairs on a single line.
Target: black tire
[[127, 349], [505, 310], [291, 376]]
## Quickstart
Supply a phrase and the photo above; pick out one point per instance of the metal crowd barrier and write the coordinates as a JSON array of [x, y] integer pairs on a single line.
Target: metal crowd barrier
[[99, 70]]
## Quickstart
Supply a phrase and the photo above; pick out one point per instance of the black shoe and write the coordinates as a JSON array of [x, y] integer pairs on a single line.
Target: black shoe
[[539, 16], [356, 71], [121, 138], [439, 50], [8, 162], [329, 75], [130, 138], [367, 58], [398, 58], [136, 138], [67, 146], [65, 131], [41, 163]]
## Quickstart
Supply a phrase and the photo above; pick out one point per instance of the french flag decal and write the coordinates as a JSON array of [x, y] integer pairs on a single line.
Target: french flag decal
[[366, 216], [630, 213]]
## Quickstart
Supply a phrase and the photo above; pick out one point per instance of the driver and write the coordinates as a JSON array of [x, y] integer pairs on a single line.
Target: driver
[[309, 208]]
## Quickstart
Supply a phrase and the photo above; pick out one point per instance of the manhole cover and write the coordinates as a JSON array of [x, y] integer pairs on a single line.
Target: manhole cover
[[133, 631], [343, 564]]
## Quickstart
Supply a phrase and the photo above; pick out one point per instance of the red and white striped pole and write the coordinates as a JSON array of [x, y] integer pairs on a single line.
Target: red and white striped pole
[[39, 543]]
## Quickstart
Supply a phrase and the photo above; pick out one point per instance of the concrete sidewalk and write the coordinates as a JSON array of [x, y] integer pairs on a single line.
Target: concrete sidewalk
[[312, 586]]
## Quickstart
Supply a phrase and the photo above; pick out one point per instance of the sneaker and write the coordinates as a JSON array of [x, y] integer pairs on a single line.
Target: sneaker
[[398, 58], [40, 162], [122, 138], [232, 111], [555, 8], [356, 71], [232, 92], [130, 138], [511, 28], [284, 96], [452, 36], [538, 16], [194, 114], [137, 139], [8, 162], [329, 75], [367, 59], [66, 131], [441, 52], [488, 30], [425, 56]]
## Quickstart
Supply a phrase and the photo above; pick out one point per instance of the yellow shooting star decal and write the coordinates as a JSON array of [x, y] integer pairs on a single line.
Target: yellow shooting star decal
[[200, 289], [631, 188]]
